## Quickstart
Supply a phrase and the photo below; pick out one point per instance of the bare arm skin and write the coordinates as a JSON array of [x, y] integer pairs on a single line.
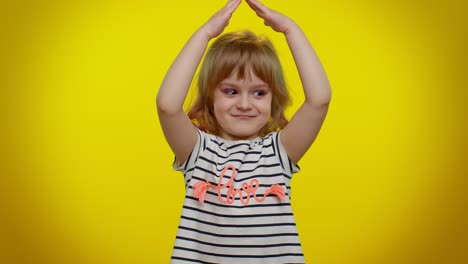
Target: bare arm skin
[[305, 124], [178, 129]]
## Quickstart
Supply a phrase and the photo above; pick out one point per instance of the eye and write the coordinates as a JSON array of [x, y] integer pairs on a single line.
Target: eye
[[260, 93], [229, 91]]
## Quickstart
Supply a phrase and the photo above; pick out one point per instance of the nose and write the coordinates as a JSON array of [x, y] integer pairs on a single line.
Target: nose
[[244, 102]]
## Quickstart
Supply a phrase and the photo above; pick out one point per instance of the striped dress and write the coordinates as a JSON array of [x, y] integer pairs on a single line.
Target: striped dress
[[237, 206]]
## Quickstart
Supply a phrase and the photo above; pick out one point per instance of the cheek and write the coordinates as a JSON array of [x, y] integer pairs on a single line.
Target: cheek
[[221, 106], [266, 106], [218, 105]]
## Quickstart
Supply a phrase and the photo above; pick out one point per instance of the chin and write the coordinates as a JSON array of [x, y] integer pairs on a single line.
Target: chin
[[243, 135]]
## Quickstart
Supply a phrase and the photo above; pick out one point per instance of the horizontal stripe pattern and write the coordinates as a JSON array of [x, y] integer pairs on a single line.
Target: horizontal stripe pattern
[[256, 232]]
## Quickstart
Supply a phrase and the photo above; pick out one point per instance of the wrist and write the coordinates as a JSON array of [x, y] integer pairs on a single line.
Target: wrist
[[291, 27], [203, 34]]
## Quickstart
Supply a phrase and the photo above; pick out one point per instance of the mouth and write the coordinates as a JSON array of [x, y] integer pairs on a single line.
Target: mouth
[[243, 116]]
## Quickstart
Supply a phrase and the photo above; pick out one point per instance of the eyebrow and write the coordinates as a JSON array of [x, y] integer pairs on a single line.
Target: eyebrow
[[257, 85]]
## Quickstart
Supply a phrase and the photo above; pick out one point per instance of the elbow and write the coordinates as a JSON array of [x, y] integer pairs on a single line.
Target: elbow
[[322, 101], [166, 107], [325, 98], [160, 105]]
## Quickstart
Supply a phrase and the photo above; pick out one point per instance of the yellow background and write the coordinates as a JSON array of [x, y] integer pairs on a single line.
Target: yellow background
[[86, 174]]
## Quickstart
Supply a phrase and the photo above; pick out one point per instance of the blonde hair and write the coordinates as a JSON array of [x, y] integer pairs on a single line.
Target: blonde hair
[[240, 52]]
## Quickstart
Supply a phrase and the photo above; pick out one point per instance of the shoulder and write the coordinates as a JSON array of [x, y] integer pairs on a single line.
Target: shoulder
[[271, 139], [283, 156], [204, 139]]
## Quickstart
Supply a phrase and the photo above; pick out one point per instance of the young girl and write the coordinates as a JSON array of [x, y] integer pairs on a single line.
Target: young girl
[[235, 147]]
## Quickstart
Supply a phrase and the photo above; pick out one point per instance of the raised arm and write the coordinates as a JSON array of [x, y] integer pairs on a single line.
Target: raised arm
[[305, 124], [178, 129]]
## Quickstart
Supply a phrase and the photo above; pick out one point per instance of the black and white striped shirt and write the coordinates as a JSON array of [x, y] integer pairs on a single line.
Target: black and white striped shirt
[[231, 225]]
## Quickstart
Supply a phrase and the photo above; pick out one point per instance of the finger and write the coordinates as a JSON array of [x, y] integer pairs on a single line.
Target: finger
[[229, 3], [259, 11], [235, 5], [257, 6], [251, 5], [232, 5]]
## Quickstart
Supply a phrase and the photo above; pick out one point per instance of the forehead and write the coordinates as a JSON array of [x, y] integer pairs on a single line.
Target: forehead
[[247, 76]]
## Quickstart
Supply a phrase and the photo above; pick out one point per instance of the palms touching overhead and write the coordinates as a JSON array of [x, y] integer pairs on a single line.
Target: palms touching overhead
[[303, 127], [277, 21], [220, 20]]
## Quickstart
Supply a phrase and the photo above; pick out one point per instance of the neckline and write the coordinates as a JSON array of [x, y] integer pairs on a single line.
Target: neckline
[[254, 142]]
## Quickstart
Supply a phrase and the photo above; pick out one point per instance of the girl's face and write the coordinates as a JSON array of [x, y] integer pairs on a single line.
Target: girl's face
[[242, 107]]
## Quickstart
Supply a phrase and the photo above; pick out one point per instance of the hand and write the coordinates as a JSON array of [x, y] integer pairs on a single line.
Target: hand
[[277, 21], [219, 21]]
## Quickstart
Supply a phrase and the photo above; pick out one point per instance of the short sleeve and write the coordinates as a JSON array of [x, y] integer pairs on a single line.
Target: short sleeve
[[187, 167], [286, 163]]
